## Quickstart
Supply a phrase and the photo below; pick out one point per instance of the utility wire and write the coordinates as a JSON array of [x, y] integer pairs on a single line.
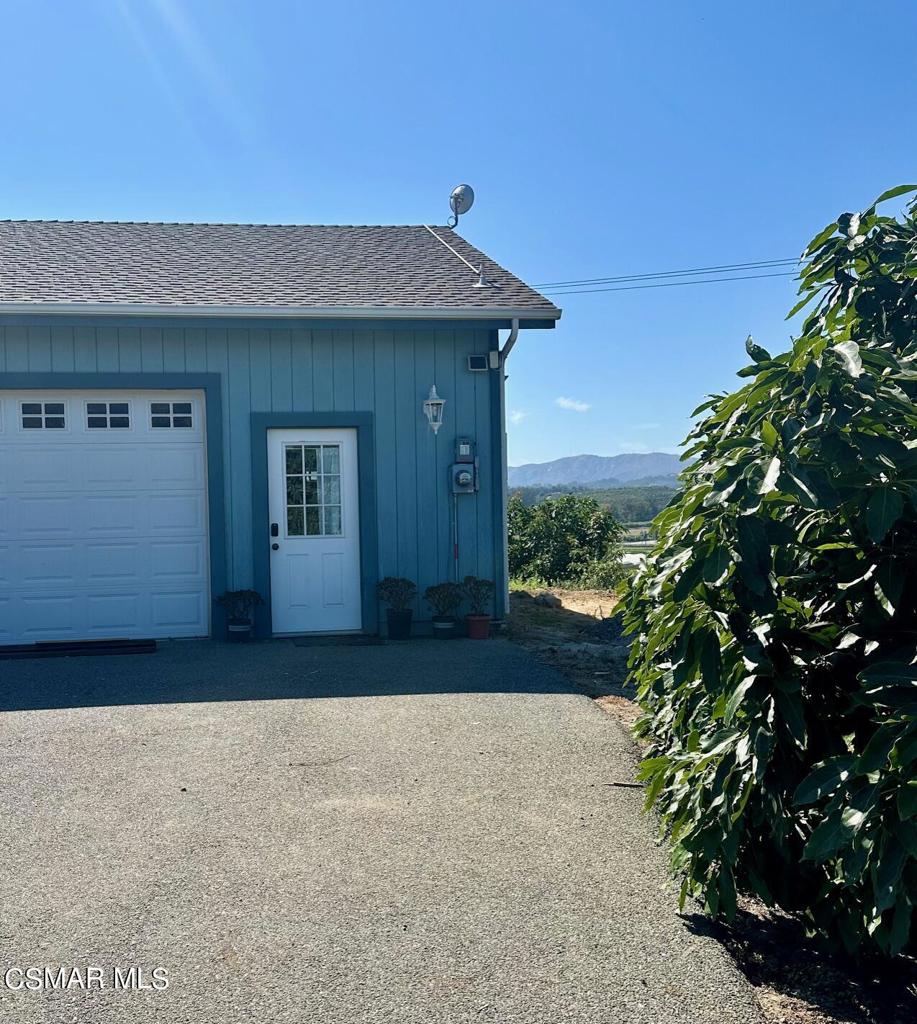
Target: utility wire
[[728, 267], [663, 284]]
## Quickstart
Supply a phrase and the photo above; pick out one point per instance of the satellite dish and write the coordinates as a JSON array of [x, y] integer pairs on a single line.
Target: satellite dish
[[461, 201]]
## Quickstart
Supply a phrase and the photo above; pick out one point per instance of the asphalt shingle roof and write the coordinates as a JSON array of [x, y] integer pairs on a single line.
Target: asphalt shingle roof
[[253, 265]]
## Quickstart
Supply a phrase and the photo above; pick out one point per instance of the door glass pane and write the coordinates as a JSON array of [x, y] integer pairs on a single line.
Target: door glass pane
[[331, 458], [294, 459], [310, 454], [333, 520], [311, 490], [332, 490], [313, 523], [294, 490], [294, 522]]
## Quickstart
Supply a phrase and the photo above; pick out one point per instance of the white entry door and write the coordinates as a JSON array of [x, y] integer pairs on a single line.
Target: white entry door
[[315, 530]]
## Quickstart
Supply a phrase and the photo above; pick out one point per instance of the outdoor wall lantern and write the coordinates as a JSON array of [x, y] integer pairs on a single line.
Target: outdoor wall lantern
[[433, 409]]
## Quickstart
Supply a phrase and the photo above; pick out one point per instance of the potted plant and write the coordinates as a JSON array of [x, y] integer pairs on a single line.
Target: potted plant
[[239, 605], [444, 599], [478, 592], [397, 593]]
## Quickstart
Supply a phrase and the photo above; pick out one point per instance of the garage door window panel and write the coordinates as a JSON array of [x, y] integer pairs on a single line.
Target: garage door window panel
[[43, 415], [108, 416], [171, 415]]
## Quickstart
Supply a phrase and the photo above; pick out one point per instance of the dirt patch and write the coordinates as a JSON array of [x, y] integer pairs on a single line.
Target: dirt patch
[[581, 638]]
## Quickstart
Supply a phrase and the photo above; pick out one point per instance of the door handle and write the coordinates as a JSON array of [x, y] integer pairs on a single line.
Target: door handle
[[275, 547], [275, 530]]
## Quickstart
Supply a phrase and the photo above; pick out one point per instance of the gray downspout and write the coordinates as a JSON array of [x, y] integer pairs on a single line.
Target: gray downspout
[[504, 499]]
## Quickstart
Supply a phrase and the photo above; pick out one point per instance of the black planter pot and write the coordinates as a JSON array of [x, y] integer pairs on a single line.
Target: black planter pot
[[238, 631], [443, 627], [399, 623]]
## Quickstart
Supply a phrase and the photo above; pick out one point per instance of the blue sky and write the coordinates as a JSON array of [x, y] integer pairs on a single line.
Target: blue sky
[[601, 138]]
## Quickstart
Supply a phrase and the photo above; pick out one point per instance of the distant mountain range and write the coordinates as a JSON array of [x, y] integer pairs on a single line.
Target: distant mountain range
[[598, 471]]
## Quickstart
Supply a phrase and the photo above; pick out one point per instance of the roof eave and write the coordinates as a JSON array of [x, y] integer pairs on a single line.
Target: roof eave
[[531, 316]]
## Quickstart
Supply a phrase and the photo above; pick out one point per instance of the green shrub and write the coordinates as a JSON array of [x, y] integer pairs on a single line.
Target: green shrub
[[776, 646], [570, 539], [444, 598], [396, 591], [478, 592]]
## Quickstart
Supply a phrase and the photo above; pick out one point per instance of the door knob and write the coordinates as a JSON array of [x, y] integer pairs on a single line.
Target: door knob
[[275, 547]]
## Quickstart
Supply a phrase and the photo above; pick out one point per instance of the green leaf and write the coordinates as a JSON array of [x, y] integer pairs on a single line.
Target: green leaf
[[824, 780], [791, 710], [907, 800], [808, 297], [717, 565], [769, 434], [827, 839], [887, 873], [893, 193], [754, 554], [757, 353], [883, 511], [690, 576], [876, 752], [889, 584], [736, 699], [889, 673], [771, 475], [822, 237], [849, 353]]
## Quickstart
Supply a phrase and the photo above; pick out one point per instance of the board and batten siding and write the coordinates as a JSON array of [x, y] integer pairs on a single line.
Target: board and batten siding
[[384, 371]]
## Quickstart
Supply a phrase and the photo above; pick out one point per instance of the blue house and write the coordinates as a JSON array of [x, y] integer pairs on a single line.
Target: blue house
[[187, 409]]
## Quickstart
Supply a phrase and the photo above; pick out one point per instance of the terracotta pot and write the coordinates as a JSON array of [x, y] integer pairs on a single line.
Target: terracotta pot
[[399, 623], [478, 626]]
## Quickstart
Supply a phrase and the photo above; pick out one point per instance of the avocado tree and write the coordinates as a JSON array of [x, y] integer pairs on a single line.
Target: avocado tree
[[567, 539], [775, 650]]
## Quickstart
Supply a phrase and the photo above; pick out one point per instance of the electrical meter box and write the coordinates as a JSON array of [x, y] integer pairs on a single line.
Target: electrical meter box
[[464, 472], [464, 478]]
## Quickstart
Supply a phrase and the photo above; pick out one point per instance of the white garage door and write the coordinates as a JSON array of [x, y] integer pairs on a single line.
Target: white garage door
[[103, 515]]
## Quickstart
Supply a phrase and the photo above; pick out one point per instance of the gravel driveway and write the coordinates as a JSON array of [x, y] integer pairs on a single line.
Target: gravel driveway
[[425, 832]]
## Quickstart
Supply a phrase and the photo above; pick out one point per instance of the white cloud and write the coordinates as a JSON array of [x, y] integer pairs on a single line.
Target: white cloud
[[517, 416], [572, 404]]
